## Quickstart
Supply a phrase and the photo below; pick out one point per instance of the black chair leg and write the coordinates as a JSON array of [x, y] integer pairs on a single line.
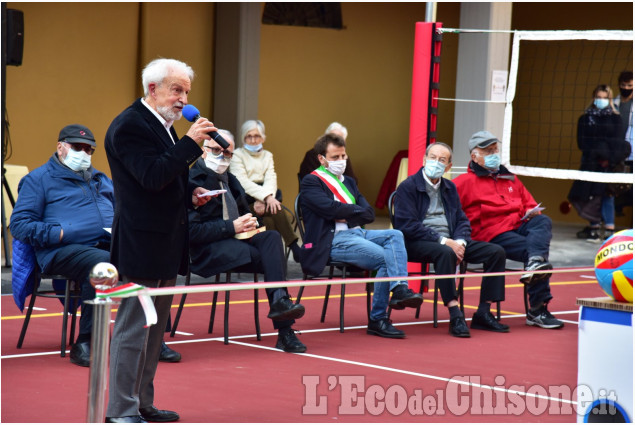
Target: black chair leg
[[178, 315], [434, 308], [226, 324], [27, 318], [300, 292], [368, 301], [525, 298], [67, 292], [498, 311], [257, 312], [342, 298], [422, 285], [326, 302], [212, 315]]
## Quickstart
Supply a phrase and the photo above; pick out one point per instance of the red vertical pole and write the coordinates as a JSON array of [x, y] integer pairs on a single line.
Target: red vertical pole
[[424, 103]]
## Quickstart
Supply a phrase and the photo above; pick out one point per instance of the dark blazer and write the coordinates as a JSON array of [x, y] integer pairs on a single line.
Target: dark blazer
[[411, 206], [320, 210], [213, 248], [150, 176]]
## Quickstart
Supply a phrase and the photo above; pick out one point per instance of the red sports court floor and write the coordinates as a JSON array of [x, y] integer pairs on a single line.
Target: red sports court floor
[[349, 377]]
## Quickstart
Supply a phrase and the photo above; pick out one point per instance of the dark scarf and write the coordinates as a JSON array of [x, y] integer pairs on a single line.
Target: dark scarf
[[594, 111], [230, 208]]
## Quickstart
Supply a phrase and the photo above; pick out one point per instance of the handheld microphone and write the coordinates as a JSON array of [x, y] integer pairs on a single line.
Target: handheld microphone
[[192, 114]]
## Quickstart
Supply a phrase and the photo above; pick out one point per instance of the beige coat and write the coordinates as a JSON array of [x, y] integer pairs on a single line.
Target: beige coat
[[255, 172]]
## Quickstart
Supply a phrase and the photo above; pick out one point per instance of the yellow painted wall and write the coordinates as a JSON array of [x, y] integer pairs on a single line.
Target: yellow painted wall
[[360, 76]]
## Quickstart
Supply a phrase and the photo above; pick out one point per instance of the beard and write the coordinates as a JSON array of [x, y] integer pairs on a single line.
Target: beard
[[169, 113]]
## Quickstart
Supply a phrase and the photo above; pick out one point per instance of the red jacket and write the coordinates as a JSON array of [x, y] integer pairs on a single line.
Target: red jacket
[[494, 204]]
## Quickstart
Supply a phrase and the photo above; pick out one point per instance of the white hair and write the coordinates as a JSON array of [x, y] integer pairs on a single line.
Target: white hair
[[158, 69], [226, 134], [335, 126], [252, 125]]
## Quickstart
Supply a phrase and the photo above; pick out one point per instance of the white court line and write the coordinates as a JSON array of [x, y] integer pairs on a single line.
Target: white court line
[[231, 338], [411, 373]]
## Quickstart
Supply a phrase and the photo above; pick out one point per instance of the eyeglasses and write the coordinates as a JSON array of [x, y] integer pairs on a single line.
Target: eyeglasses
[[253, 137], [77, 147], [217, 151]]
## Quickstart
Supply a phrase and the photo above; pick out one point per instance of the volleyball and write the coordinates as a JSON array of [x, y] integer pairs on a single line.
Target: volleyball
[[614, 266]]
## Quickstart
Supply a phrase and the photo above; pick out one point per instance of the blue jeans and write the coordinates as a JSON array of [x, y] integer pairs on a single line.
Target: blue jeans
[[380, 250], [529, 240], [608, 211]]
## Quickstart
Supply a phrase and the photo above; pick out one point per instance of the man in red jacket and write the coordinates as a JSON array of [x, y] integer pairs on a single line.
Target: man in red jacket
[[502, 211]]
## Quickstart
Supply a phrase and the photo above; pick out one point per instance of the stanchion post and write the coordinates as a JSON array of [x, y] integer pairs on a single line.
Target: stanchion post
[[103, 276]]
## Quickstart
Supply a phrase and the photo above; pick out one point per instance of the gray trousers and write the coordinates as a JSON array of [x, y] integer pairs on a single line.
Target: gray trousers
[[134, 352]]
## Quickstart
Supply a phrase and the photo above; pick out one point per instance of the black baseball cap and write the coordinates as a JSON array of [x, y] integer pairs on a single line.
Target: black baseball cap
[[76, 133]]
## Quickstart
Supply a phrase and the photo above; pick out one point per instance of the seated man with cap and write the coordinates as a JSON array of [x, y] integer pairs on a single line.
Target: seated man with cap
[[502, 211], [63, 211]]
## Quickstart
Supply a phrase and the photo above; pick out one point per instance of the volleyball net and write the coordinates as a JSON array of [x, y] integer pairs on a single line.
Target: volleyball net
[[552, 75]]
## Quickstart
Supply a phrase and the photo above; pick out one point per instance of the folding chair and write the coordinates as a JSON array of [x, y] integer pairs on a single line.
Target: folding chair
[[214, 300], [71, 298], [332, 265]]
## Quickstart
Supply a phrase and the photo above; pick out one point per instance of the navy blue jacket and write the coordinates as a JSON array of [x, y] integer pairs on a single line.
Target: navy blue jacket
[[53, 197], [411, 204], [320, 210]]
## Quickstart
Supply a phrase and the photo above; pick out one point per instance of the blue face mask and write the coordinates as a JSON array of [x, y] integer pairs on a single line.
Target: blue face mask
[[433, 169], [77, 161], [253, 148], [601, 103], [492, 161]]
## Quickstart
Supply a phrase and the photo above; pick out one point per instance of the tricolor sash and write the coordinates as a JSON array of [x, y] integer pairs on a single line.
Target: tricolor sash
[[340, 191]]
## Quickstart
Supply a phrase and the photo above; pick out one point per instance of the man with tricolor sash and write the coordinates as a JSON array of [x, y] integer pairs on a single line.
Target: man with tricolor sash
[[334, 213]]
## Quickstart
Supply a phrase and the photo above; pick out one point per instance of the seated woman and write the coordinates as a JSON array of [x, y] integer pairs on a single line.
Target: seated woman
[[254, 169]]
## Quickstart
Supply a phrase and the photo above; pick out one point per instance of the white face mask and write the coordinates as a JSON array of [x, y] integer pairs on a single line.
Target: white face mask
[[217, 164], [337, 167], [77, 161]]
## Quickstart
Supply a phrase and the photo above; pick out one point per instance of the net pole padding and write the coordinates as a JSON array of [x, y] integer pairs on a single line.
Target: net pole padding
[[224, 287], [420, 102]]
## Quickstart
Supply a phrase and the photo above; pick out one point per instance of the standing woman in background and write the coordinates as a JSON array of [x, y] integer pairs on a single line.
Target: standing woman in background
[[254, 168], [603, 148]]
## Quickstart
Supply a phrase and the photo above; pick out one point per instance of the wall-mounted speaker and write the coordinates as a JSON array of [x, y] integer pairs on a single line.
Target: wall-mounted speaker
[[15, 37]]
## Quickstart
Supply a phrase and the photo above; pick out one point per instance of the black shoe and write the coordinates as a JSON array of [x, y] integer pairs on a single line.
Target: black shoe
[[587, 232], [168, 355], [126, 420], [487, 322], [80, 354], [295, 251], [542, 318], [287, 341], [533, 266], [384, 328], [458, 327], [152, 414], [285, 309], [403, 297]]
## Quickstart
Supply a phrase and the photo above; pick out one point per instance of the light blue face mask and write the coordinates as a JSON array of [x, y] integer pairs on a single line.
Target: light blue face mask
[[433, 169], [601, 103], [492, 161], [77, 161], [253, 148]]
